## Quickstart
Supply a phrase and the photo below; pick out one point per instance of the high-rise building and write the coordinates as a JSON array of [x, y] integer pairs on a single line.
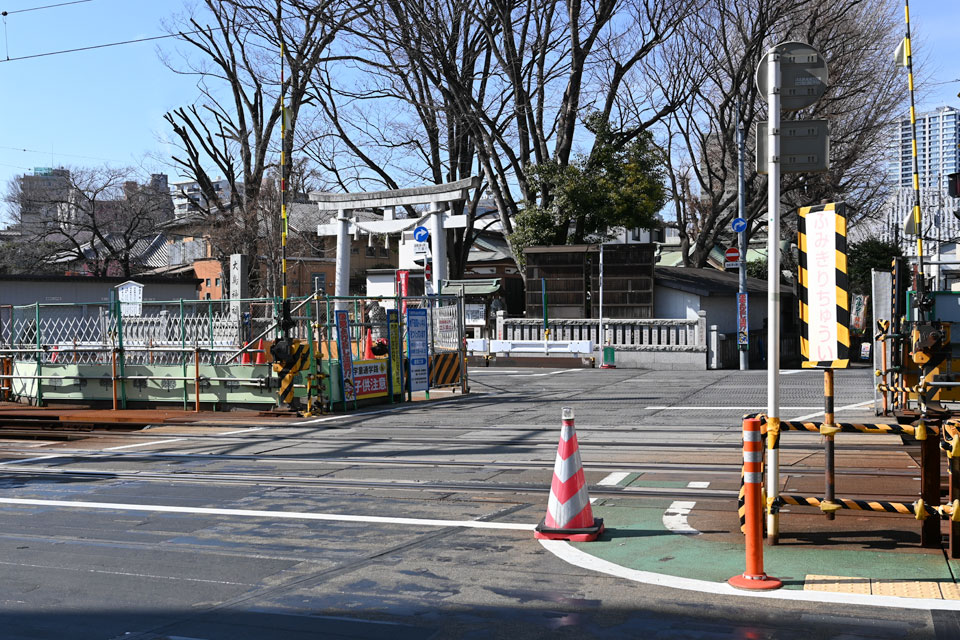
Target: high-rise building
[[43, 198], [187, 196], [938, 133]]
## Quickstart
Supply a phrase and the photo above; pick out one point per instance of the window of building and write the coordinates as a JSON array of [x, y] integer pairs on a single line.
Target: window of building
[[218, 282], [371, 252], [207, 283], [384, 252], [354, 251]]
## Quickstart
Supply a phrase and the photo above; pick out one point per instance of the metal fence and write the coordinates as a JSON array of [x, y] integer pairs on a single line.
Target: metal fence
[[192, 334]]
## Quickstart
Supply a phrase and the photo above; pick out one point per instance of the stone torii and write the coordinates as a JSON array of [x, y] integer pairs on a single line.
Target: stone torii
[[343, 226]]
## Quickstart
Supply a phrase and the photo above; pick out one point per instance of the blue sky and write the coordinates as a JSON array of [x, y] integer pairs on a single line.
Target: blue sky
[[107, 105]]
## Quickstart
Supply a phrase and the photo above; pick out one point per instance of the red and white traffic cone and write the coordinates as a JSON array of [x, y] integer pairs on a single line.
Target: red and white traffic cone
[[754, 577], [569, 515], [261, 357], [245, 358]]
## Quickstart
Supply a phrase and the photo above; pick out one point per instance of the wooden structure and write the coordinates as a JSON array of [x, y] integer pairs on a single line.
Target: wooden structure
[[572, 277]]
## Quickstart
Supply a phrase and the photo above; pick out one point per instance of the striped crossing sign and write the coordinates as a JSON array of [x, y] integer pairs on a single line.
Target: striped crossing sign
[[824, 289]]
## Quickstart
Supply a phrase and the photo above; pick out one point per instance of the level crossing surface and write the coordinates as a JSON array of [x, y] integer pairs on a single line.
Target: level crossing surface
[[415, 521]]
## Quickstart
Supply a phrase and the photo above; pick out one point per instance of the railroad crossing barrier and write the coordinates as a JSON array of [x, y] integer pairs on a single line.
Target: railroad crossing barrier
[[931, 437], [916, 509]]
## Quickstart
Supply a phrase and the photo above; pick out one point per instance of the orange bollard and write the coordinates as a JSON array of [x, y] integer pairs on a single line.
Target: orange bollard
[[754, 577], [261, 355], [245, 358]]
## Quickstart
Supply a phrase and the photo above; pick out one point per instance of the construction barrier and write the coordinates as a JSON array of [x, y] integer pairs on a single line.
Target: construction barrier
[[569, 514], [753, 577], [445, 369]]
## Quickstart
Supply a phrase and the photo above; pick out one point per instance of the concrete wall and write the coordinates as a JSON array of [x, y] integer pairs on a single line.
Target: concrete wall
[[673, 303], [721, 309]]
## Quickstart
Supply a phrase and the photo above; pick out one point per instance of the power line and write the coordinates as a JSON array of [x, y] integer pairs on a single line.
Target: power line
[[123, 42], [49, 6], [69, 155]]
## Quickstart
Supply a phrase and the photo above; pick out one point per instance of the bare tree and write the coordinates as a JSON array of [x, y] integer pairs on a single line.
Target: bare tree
[[496, 87], [232, 131], [729, 37], [99, 220]]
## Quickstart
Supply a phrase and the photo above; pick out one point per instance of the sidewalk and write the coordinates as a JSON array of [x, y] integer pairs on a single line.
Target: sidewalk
[[860, 557]]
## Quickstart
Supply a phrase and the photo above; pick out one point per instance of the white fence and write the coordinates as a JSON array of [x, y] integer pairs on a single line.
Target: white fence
[[625, 335]]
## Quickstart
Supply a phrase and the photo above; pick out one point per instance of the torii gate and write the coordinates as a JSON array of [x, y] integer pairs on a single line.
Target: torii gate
[[343, 226]]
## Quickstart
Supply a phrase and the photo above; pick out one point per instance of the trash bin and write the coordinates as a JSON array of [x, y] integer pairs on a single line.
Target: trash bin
[[609, 358]]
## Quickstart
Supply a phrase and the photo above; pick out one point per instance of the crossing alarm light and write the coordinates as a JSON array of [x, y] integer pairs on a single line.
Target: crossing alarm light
[[953, 185]]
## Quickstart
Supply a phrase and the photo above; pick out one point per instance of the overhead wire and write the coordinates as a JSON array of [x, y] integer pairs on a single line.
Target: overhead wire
[[49, 6], [134, 41]]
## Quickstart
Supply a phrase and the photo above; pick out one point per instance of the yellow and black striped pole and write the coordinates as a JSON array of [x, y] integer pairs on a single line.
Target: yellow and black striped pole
[[283, 167], [828, 429], [908, 53]]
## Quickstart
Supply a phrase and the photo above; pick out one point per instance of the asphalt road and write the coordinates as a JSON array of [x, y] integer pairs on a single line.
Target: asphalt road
[[351, 527]]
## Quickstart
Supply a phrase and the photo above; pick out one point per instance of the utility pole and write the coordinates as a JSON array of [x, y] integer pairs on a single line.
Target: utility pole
[[742, 235], [773, 285]]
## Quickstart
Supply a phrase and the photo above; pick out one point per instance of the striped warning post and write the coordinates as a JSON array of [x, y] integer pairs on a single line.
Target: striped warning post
[[445, 369], [288, 370], [569, 515], [753, 577], [822, 239]]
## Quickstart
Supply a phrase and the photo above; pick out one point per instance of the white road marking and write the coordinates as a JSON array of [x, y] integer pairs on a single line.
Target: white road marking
[[344, 416], [613, 479], [247, 430], [143, 444], [494, 370], [256, 513], [121, 573], [29, 459], [584, 560], [675, 517], [658, 407], [540, 375], [838, 410]]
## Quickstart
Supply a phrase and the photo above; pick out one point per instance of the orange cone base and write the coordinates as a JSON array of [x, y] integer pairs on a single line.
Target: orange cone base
[[587, 534], [607, 366], [759, 583]]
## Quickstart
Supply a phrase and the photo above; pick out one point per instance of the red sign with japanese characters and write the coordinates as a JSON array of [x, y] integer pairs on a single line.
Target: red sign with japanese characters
[[370, 378]]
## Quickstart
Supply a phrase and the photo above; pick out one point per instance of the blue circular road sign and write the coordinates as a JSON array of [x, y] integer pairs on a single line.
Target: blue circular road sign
[[420, 234], [739, 225]]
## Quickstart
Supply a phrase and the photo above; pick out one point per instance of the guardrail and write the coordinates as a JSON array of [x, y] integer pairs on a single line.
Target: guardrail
[[547, 347]]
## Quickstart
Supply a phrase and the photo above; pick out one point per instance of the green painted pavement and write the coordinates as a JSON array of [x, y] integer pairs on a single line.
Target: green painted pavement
[[636, 538]]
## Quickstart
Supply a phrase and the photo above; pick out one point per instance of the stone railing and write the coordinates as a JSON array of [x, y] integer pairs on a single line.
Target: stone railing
[[625, 335]]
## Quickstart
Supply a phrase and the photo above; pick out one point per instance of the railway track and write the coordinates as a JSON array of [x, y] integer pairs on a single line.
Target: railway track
[[587, 438], [365, 461]]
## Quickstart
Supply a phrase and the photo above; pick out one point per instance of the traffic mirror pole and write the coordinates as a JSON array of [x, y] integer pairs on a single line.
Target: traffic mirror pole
[[773, 294]]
